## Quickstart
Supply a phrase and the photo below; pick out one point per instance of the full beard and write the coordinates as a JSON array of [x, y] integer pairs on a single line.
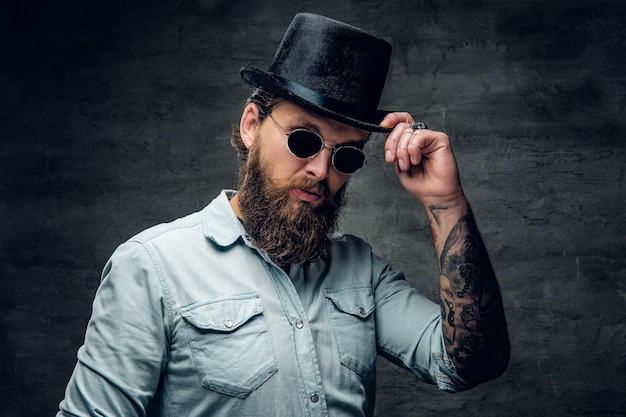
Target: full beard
[[290, 231]]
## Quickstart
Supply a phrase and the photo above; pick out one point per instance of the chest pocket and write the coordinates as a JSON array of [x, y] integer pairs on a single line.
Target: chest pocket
[[351, 315], [230, 344]]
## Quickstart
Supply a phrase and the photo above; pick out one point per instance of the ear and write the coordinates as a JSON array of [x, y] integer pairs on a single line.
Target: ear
[[250, 122]]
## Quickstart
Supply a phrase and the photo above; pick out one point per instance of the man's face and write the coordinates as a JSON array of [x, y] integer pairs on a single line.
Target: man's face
[[289, 204], [317, 171]]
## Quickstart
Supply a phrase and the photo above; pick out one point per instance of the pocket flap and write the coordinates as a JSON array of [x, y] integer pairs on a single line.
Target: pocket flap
[[223, 314], [355, 301]]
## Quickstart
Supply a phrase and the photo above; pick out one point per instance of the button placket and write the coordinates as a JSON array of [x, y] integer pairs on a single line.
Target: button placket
[[304, 347]]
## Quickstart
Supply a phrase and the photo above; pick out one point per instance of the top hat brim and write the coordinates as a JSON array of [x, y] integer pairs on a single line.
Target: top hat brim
[[310, 100]]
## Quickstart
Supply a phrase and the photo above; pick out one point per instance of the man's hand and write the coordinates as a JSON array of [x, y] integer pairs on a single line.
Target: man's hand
[[424, 161]]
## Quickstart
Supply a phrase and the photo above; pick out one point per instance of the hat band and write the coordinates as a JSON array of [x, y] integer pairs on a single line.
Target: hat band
[[346, 109]]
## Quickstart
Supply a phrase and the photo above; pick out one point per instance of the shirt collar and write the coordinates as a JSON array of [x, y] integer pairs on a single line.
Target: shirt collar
[[219, 222]]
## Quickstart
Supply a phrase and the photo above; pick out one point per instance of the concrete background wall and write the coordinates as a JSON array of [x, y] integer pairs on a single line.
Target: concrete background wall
[[115, 115]]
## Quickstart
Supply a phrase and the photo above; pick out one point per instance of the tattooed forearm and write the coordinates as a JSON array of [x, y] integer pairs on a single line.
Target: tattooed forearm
[[474, 326]]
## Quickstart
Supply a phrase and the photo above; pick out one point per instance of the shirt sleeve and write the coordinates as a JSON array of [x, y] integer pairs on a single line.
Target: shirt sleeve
[[409, 330], [126, 341]]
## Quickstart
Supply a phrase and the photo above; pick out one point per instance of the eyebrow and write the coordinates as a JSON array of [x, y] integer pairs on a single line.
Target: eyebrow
[[306, 124]]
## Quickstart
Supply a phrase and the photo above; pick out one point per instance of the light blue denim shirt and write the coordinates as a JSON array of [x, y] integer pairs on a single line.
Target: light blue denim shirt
[[193, 319]]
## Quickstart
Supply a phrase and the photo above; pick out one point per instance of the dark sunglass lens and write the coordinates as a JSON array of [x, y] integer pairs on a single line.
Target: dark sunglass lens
[[348, 160], [303, 143]]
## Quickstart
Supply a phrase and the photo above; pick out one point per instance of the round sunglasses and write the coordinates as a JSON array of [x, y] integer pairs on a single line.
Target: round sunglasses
[[305, 143]]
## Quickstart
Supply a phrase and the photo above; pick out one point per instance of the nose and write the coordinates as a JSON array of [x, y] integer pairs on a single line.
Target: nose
[[318, 166]]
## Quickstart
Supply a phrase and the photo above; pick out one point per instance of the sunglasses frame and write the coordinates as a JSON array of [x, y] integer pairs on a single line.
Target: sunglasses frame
[[334, 149]]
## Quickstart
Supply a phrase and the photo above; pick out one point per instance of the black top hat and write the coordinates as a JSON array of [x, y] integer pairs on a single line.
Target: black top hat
[[330, 68]]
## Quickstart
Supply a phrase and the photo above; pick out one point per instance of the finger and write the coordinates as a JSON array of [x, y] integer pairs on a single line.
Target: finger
[[392, 142], [403, 156], [391, 120], [414, 147]]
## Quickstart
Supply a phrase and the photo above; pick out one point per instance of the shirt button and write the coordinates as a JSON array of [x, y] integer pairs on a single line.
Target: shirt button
[[228, 324], [315, 398], [361, 311], [299, 324]]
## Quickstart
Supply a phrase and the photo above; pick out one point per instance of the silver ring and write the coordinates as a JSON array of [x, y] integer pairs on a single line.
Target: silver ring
[[418, 126]]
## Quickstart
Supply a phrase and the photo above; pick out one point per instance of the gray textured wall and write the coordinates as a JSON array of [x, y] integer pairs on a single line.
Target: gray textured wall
[[115, 116]]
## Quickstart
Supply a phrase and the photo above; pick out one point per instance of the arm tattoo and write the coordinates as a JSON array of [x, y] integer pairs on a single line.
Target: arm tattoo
[[474, 326]]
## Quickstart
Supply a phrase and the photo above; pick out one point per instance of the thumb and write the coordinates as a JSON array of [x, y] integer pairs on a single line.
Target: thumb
[[391, 120]]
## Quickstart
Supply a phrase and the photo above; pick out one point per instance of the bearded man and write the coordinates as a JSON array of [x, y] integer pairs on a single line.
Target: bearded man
[[254, 305]]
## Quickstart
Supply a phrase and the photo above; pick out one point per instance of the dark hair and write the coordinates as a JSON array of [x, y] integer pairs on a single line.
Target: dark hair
[[266, 101]]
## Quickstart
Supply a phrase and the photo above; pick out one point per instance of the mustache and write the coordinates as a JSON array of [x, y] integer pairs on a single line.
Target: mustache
[[320, 187], [309, 184]]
